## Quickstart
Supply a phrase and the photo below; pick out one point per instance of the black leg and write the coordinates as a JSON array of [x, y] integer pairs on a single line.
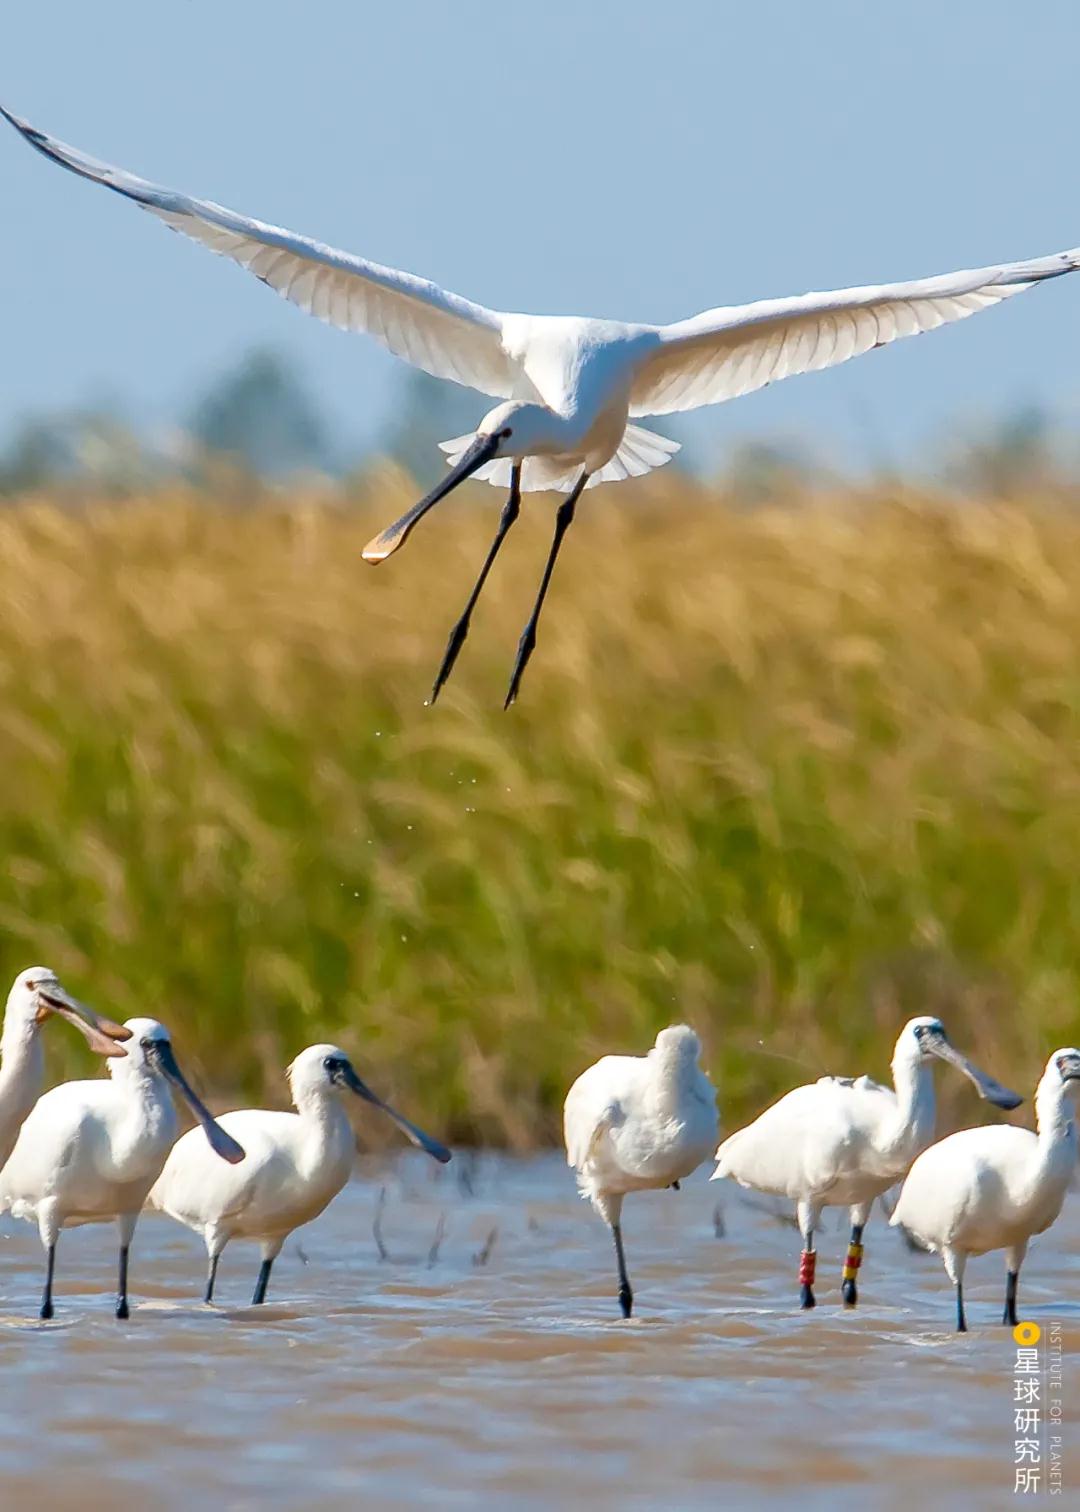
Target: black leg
[[511, 510], [961, 1321], [211, 1277], [261, 1283], [46, 1296], [121, 1284], [626, 1296], [1010, 1298], [807, 1267], [527, 643], [848, 1290]]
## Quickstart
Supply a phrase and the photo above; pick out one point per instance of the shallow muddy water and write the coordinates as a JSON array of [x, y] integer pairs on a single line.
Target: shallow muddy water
[[481, 1363]]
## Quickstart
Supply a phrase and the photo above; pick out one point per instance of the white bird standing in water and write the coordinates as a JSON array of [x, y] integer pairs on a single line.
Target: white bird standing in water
[[637, 1123], [570, 385], [35, 994], [842, 1142], [993, 1188], [90, 1151], [295, 1166]]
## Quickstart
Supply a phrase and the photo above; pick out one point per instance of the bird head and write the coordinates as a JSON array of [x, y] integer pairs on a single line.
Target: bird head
[[1067, 1064], [517, 429], [323, 1069], [151, 1053], [922, 1038], [37, 992]]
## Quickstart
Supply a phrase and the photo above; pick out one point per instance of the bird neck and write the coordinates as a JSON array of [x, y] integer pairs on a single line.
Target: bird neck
[[22, 1062], [1055, 1121], [148, 1123], [913, 1081], [327, 1130], [1042, 1180]]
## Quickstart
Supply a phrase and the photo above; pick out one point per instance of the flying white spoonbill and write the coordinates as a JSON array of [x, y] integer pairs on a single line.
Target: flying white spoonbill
[[636, 1123], [35, 993], [90, 1151], [569, 385], [296, 1164], [993, 1188], [843, 1141]]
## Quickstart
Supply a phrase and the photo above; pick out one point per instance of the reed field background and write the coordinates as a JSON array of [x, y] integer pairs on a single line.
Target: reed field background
[[789, 774]]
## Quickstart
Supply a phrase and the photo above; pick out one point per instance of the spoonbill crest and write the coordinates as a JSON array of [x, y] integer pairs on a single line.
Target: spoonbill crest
[[90, 1151], [636, 1123], [569, 386], [296, 1164], [35, 994], [993, 1188], [842, 1142]]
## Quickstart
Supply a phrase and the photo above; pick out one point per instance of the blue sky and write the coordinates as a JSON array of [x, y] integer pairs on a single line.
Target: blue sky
[[609, 157]]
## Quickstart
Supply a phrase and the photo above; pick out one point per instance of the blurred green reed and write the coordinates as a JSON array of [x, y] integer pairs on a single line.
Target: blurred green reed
[[790, 775]]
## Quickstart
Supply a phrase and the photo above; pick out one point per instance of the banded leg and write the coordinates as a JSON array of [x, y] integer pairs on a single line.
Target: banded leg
[[848, 1289], [808, 1216]]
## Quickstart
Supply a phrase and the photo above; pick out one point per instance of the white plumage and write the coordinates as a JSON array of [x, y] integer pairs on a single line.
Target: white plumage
[[843, 1142], [571, 383], [993, 1188], [639, 1123], [35, 994], [295, 1166], [91, 1150]]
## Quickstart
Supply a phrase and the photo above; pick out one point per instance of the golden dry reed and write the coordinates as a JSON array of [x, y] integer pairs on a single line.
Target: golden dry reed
[[790, 775]]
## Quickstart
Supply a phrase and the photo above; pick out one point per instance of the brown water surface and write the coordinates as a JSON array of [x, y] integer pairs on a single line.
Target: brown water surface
[[494, 1372]]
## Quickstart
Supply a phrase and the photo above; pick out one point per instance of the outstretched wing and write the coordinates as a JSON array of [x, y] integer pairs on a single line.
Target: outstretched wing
[[731, 351], [435, 330]]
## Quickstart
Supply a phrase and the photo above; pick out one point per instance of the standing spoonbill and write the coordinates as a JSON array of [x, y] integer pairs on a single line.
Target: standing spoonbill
[[843, 1141], [296, 1164], [992, 1188], [90, 1151], [570, 384], [35, 993], [636, 1123]]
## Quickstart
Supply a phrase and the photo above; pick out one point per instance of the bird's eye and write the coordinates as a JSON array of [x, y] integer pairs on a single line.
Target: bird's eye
[[505, 434], [147, 1044], [31, 986], [331, 1064]]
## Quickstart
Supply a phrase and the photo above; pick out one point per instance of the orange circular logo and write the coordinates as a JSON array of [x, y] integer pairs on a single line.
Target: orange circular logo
[[1027, 1333]]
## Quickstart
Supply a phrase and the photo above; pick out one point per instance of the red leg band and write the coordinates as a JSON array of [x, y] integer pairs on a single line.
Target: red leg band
[[807, 1264]]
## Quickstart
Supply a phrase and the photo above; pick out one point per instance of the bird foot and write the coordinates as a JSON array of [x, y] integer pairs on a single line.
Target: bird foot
[[806, 1297], [626, 1300], [46, 1311], [849, 1293], [122, 1308]]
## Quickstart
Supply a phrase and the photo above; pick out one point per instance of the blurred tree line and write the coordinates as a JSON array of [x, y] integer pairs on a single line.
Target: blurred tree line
[[261, 419]]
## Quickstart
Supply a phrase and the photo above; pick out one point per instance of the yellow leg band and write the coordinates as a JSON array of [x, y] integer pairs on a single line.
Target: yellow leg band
[[853, 1261]]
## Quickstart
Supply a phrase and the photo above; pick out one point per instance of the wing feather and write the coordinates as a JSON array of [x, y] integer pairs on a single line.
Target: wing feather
[[736, 349], [446, 335]]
